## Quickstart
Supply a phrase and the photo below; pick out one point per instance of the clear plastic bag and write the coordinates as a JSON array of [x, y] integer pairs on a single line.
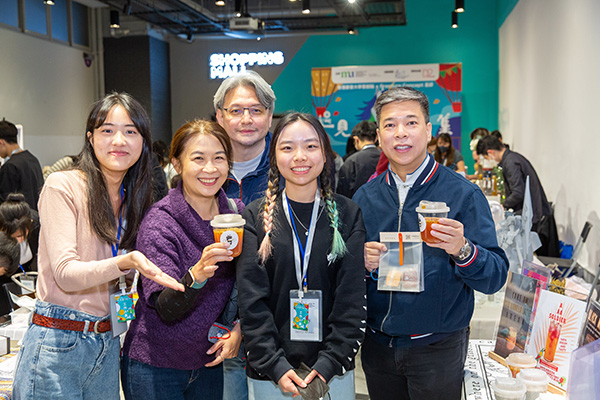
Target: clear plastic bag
[[401, 266]]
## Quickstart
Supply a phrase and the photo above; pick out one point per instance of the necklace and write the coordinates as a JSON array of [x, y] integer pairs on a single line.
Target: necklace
[[300, 222]]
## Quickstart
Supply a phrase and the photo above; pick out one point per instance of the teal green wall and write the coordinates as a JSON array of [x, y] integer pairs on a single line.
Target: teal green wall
[[426, 38]]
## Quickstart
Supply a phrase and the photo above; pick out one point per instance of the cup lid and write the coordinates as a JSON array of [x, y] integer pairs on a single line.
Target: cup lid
[[533, 377], [508, 387], [432, 207], [227, 221], [521, 360]]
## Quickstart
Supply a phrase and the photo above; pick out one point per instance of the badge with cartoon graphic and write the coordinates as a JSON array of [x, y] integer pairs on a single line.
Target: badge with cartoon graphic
[[125, 307], [305, 316]]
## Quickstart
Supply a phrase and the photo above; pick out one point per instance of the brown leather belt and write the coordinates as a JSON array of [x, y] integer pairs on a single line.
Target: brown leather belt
[[70, 325]]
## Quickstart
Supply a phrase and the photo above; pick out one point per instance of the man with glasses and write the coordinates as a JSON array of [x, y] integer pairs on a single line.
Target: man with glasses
[[244, 105]]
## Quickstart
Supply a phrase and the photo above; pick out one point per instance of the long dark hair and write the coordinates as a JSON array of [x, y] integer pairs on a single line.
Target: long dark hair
[[449, 154], [338, 246], [137, 183]]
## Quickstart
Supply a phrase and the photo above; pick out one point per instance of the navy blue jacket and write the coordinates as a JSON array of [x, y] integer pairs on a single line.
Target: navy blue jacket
[[446, 304], [253, 185]]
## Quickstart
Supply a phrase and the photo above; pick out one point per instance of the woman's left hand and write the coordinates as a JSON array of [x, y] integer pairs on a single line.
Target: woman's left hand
[[226, 348], [136, 260]]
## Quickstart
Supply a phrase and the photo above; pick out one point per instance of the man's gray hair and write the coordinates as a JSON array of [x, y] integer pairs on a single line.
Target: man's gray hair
[[263, 90], [402, 93]]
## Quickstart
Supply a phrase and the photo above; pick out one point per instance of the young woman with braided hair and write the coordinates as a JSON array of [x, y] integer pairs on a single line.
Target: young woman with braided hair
[[301, 273]]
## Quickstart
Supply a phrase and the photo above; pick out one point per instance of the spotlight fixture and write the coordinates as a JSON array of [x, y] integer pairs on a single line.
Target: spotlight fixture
[[305, 6], [454, 19], [459, 6], [351, 1], [114, 19], [351, 31], [49, 2], [220, 3]]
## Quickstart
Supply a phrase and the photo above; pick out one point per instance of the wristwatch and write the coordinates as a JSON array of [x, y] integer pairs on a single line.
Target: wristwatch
[[464, 252]]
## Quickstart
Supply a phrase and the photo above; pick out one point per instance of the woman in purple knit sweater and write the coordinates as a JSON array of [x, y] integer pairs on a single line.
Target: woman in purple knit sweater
[[166, 352]]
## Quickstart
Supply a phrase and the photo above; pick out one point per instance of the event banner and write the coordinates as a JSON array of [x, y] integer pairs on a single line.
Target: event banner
[[556, 329], [344, 96]]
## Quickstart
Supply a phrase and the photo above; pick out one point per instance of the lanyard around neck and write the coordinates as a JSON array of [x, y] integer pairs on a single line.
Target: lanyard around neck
[[301, 263], [115, 246]]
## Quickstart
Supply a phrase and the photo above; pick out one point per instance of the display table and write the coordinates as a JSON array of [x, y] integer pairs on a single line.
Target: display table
[[7, 366], [480, 371]]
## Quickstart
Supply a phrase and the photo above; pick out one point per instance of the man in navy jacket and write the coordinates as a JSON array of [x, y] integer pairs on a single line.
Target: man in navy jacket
[[416, 343]]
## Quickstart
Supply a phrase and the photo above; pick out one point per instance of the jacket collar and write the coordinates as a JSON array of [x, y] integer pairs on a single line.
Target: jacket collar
[[431, 167]]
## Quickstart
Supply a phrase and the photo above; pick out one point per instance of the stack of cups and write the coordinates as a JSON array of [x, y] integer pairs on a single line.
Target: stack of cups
[[508, 389], [535, 380], [518, 361]]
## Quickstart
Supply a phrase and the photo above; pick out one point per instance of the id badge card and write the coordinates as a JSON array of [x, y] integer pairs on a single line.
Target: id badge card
[[401, 266], [121, 308], [305, 316]]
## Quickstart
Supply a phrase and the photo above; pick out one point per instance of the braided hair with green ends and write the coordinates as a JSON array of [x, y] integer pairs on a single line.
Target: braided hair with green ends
[[338, 246]]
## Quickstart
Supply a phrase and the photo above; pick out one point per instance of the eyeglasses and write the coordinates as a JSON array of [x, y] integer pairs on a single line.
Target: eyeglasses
[[237, 112]]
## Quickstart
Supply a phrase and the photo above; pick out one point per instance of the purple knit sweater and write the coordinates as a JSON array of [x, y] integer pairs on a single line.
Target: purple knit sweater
[[173, 236]]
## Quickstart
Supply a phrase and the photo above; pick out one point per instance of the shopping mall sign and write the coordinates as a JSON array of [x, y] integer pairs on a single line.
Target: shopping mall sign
[[224, 65]]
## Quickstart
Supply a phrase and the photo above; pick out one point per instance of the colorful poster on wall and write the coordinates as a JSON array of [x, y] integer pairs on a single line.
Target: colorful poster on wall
[[344, 96], [556, 329]]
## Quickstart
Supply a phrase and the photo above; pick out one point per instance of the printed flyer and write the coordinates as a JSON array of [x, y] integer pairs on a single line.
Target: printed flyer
[[555, 334], [591, 332], [515, 319]]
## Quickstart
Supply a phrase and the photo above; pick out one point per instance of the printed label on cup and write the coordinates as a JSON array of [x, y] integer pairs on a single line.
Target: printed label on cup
[[229, 237]]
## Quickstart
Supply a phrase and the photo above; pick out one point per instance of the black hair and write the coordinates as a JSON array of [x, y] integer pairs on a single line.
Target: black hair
[[15, 215], [137, 184], [10, 254], [489, 143], [365, 130], [8, 131]]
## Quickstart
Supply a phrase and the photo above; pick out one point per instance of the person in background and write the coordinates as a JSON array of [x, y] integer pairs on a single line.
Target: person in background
[[432, 145], [499, 136], [62, 164], [21, 171], [167, 353], [244, 105], [416, 343], [350, 147], [88, 216], [308, 217], [161, 150], [9, 265], [359, 167], [475, 135], [21, 223], [515, 170], [447, 155]]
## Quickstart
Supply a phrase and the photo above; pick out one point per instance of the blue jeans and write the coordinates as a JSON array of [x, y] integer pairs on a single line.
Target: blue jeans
[[146, 382], [60, 364], [235, 386], [340, 388], [430, 372]]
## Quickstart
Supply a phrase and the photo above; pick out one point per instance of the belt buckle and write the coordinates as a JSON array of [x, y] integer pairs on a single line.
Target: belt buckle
[[96, 324]]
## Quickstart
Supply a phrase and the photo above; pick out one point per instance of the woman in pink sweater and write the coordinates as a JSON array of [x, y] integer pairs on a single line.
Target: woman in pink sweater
[[89, 218]]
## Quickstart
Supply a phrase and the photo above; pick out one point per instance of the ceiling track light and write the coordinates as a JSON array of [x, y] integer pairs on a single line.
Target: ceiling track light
[[220, 3], [454, 19], [114, 19], [305, 6], [351, 1], [459, 6], [351, 31], [49, 2]]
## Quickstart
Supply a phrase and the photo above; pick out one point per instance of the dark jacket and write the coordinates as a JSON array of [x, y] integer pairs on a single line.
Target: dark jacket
[[515, 169], [254, 185], [357, 170], [446, 304], [22, 174], [264, 295]]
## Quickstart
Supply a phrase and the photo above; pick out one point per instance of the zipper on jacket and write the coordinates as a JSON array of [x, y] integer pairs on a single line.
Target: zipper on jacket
[[400, 207]]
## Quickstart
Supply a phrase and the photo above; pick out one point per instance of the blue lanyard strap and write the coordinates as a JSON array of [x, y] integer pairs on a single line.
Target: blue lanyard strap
[[115, 246], [304, 284]]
